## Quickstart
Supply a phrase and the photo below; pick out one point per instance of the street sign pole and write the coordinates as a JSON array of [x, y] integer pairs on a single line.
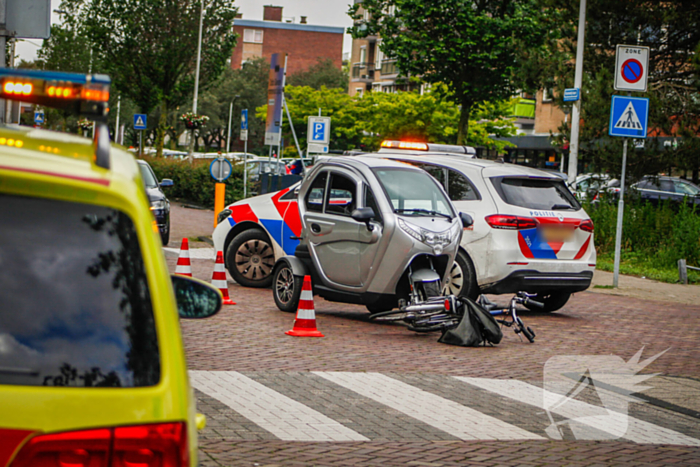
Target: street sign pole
[[578, 79], [620, 213], [244, 137]]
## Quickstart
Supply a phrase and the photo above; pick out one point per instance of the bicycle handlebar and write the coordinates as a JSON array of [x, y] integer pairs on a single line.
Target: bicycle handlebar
[[529, 301]]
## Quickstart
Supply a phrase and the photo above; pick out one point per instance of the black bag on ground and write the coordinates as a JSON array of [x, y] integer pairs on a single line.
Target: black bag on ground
[[476, 327]]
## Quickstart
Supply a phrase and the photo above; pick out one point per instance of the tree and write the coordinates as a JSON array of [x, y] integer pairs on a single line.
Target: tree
[[249, 83], [149, 47], [323, 73], [472, 46], [672, 31]]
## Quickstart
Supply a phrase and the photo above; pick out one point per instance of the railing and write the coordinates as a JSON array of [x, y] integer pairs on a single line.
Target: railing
[[363, 70], [389, 67]]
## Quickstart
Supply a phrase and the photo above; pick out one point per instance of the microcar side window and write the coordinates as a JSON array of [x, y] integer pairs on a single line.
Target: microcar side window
[[341, 196], [314, 198]]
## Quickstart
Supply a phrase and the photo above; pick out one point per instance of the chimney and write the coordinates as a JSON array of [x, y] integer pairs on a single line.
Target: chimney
[[272, 13], [239, 15], [303, 20]]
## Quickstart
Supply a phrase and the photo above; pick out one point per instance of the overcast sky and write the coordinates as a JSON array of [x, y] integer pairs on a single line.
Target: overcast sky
[[318, 12]]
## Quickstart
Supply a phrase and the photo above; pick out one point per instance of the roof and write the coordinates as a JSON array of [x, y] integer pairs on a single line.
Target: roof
[[64, 155], [289, 26], [490, 168]]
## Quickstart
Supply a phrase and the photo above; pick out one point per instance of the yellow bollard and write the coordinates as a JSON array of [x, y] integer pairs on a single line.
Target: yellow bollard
[[219, 197]]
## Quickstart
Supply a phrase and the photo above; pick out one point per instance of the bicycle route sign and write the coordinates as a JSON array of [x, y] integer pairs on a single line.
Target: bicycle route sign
[[631, 68], [629, 116]]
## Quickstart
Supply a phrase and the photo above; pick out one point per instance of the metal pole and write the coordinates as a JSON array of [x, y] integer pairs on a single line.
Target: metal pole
[[140, 143], [3, 46], [284, 80], [245, 168], [228, 133], [196, 78], [578, 78], [620, 212], [116, 126], [294, 133]]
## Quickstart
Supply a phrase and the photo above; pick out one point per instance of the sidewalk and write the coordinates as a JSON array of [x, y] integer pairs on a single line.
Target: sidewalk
[[646, 289]]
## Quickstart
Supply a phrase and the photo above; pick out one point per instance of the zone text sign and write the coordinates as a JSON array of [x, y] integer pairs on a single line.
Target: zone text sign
[[631, 68]]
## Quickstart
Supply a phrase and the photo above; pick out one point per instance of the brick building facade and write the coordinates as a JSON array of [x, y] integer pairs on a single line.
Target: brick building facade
[[305, 44]]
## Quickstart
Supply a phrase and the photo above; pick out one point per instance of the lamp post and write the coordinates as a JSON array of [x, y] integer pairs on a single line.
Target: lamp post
[[228, 133], [576, 111], [196, 78]]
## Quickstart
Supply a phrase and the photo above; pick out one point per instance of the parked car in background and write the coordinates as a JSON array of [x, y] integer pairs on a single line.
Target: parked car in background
[[160, 206], [529, 233], [654, 189], [587, 186]]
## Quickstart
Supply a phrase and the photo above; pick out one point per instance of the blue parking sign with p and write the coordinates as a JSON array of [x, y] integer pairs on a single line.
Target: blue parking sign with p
[[319, 133]]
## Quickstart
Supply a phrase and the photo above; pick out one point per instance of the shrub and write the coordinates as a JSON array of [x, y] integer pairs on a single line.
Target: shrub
[[193, 182], [663, 234]]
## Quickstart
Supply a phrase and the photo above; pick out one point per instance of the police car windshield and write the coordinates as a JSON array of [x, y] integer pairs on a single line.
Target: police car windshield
[[414, 193]]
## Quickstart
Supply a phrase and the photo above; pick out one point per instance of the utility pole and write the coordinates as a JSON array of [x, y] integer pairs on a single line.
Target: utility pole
[[116, 127], [3, 46], [196, 79], [578, 79]]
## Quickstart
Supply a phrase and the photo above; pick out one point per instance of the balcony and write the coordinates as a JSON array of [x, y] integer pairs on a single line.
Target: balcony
[[389, 67], [363, 71]]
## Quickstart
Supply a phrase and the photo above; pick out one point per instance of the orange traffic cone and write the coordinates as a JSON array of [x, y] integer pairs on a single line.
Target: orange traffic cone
[[183, 261], [305, 322], [218, 279]]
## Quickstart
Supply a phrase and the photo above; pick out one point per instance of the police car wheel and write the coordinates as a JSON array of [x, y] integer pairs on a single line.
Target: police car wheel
[[461, 279], [250, 259]]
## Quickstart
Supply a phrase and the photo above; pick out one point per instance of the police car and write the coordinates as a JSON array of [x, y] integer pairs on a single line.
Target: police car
[[529, 233], [92, 365]]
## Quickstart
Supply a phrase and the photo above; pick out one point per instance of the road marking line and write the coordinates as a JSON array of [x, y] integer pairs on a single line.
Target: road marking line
[[285, 418], [195, 253], [446, 415], [596, 417]]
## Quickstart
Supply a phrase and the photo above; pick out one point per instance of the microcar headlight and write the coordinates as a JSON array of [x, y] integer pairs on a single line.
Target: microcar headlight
[[437, 240]]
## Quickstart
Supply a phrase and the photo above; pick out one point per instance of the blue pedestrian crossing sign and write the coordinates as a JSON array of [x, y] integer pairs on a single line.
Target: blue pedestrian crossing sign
[[39, 117], [629, 116], [140, 121], [244, 119]]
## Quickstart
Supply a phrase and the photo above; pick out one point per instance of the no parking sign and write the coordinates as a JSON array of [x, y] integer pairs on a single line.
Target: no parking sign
[[631, 68]]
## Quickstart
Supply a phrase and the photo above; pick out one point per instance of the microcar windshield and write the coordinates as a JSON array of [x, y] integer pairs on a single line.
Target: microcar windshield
[[414, 193]]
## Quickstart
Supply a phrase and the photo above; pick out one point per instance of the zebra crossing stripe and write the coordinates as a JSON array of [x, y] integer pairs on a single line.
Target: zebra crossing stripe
[[617, 424], [458, 420], [283, 417]]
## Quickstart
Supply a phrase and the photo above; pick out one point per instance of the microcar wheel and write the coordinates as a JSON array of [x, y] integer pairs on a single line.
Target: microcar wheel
[[461, 279], [250, 259], [552, 301], [286, 288]]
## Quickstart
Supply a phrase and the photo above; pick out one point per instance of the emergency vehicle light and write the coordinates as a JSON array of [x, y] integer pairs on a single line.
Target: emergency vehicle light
[[86, 95], [405, 145]]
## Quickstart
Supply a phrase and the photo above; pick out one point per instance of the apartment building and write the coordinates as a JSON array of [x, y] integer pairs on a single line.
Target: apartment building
[[305, 43]]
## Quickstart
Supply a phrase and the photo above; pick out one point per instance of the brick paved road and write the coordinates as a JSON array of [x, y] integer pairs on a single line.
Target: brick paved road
[[249, 339]]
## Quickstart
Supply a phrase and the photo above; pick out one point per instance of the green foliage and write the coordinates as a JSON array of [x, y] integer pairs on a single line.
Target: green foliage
[[653, 237], [193, 182], [672, 31], [472, 46], [323, 73], [149, 47], [247, 88], [363, 122]]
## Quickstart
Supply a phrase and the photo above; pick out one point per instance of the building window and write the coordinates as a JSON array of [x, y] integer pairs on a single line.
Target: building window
[[363, 55], [359, 91], [253, 35], [547, 95]]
